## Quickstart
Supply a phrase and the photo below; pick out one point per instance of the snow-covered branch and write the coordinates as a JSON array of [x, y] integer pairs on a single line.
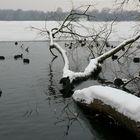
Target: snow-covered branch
[[94, 64], [91, 68], [118, 48]]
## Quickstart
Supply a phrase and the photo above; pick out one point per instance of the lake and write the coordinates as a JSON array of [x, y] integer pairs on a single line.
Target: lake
[[31, 104]]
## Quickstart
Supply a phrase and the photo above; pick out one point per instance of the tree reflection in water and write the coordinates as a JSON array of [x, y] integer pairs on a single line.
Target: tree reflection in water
[[67, 115], [0, 92], [51, 88]]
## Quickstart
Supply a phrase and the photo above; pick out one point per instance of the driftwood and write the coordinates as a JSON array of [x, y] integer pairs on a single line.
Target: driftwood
[[99, 107]]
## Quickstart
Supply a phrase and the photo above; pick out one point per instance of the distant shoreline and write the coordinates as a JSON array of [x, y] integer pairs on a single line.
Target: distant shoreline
[[58, 15], [22, 31]]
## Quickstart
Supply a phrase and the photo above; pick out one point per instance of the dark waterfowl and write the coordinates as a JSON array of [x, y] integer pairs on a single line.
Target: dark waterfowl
[[26, 61], [2, 58], [18, 56]]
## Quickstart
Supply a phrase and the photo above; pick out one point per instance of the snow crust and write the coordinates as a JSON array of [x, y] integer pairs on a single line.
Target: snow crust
[[123, 102]]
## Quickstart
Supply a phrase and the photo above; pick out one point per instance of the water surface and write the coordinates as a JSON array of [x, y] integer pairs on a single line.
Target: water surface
[[31, 105]]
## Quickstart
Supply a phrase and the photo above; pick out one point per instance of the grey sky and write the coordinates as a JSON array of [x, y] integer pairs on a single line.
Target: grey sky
[[49, 5]]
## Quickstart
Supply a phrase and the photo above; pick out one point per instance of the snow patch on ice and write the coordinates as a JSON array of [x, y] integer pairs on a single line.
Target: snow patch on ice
[[125, 103]]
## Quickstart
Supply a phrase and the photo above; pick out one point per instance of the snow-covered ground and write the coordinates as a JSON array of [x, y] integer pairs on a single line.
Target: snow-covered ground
[[123, 102], [21, 30]]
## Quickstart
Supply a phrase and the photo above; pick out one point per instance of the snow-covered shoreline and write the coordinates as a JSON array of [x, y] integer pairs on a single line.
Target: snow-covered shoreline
[[21, 30]]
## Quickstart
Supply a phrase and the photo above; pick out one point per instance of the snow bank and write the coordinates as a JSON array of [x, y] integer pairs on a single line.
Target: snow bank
[[123, 102]]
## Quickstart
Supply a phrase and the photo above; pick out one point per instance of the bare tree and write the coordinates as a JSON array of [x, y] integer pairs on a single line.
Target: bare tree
[[95, 39]]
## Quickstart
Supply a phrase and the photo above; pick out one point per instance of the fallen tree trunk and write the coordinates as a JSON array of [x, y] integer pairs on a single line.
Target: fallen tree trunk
[[119, 105], [99, 107]]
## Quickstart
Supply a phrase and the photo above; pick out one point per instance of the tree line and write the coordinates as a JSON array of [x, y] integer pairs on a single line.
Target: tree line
[[58, 15]]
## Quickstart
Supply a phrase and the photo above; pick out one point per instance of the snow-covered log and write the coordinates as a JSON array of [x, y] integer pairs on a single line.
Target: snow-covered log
[[120, 105]]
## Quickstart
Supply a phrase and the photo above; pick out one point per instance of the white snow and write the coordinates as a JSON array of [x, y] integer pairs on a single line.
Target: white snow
[[64, 55], [87, 72], [123, 102], [21, 31]]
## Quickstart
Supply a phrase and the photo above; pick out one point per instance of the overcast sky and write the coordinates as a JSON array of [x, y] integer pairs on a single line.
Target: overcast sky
[[50, 5]]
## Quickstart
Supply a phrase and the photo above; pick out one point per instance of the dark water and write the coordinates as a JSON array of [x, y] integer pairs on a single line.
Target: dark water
[[31, 105]]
